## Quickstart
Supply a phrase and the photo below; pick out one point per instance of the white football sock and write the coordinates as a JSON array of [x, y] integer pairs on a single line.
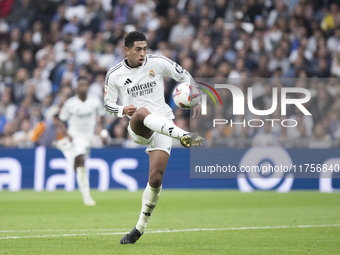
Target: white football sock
[[149, 201], [83, 183], [164, 126]]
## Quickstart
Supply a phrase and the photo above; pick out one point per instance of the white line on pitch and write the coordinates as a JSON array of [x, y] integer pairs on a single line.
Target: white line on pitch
[[61, 230], [176, 230]]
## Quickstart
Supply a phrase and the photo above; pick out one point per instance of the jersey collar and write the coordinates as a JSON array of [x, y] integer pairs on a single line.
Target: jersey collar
[[144, 63], [87, 97]]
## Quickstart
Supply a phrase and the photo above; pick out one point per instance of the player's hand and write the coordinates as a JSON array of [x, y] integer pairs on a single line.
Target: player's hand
[[197, 112], [69, 137], [129, 110]]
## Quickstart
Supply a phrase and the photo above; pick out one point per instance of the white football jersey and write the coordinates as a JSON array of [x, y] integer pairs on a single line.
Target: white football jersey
[[142, 86], [81, 116]]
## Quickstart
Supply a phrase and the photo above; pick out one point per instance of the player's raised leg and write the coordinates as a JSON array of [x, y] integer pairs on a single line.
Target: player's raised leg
[[83, 180], [158, 160], [164, 126]]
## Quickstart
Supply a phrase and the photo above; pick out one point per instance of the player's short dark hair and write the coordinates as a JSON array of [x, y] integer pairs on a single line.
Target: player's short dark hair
[[133, 37], [80, 78]]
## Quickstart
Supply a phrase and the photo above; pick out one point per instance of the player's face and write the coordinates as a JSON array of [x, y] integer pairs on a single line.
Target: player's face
[[136, 54], [83, 87]]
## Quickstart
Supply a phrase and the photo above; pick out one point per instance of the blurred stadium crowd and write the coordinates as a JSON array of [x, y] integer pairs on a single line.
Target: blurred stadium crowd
[[46, 44]]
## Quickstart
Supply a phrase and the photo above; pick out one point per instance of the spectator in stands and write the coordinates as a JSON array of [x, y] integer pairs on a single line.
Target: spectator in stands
[[46, 105], [22, 138], [333, 42], [320, 138], [38, 33], [28, 61], [120, 11], [323, 69], [97, 87], [8, 108], [4, 49], [264, 137], [181, 32], [252, 9], [334, 120], [280, 11], [10, 65], [321, 103], [18, 88], [279, 60], [328, 22], [236, 73], [6, 138], [45, 132], [205, 51], [98, 141], [335, 69], [22, 14], [42, 86], [107, 59], [300, 130], [217, 31], [3, 120], [91, 20], [142, 7], [75, 9], [15, 38]]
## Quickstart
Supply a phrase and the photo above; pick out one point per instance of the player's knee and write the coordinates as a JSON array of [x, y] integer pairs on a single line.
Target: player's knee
[[79, 161], [141, 113], [155, 179]]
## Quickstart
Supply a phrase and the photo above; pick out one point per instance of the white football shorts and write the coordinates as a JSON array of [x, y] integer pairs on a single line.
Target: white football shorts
[[81, 146], [156, 142]]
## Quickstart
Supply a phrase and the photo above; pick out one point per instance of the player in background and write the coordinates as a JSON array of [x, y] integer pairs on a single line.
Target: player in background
[[138, 82], [80, 112]]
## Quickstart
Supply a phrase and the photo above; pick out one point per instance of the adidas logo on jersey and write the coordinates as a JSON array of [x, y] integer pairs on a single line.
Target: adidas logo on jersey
[[128, 81], [170, 130]]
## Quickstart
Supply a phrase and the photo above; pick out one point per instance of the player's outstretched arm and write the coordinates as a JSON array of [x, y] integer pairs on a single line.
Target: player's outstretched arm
[[197, 112], [62, 127], [179, 74]]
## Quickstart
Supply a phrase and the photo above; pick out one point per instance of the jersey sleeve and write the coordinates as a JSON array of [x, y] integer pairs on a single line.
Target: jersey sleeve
[[111, 97], [175, 71], [64, 112]]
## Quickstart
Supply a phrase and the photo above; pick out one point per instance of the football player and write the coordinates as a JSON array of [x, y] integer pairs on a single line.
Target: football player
[[80, 112], [138, 82]]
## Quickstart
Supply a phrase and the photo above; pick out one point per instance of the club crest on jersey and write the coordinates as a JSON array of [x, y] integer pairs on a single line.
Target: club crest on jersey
[[152, 74]]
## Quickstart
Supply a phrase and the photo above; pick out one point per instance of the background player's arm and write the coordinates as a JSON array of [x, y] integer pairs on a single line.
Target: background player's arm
[[179, 74], [111, 97], [100, 112], [62, 127], [61, 120], [102, 121]]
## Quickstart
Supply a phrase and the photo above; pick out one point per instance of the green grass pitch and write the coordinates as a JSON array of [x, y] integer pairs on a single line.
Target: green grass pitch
[[300, 222]]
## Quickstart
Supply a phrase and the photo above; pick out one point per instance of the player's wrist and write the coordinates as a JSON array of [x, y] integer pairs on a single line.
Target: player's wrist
[[125, 109], [69, 137]]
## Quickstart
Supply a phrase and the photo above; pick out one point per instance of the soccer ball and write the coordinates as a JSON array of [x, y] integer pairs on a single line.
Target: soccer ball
[[186, 96]]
